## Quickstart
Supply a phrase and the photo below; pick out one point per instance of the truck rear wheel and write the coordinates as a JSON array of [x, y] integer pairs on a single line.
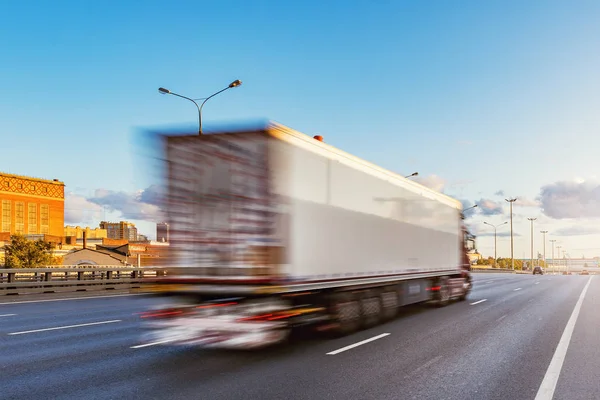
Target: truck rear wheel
[[466, 290], [389, 303], [443, 297], [346, 313], [370, 304]]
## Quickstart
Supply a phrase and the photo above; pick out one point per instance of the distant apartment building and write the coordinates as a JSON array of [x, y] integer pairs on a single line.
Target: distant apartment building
[[31, 206], [120, 230], [162, 232], [77, 232]]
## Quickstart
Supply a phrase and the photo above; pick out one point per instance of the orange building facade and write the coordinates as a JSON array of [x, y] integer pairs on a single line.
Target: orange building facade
[[31, 206]]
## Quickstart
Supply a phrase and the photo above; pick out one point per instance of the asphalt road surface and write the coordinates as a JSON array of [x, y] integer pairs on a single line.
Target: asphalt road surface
[[516, 337]]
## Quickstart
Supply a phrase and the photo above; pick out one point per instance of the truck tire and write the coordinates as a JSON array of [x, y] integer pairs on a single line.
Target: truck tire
[[443, 297], [346, 313], [389, 303], [370, 304], [466, 291]]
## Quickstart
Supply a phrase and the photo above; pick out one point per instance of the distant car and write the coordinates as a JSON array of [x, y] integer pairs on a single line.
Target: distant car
[[585, 272], [538, 270]]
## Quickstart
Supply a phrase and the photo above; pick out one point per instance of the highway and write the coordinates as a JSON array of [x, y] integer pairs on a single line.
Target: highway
[[516, 337]]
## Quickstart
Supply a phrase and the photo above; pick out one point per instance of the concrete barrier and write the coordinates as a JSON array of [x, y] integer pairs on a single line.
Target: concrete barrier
[[494, 270]]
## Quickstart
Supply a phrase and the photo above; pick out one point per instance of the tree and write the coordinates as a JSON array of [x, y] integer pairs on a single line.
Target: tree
[[23, 253]]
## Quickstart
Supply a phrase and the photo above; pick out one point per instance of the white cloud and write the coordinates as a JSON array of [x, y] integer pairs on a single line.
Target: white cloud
[[499, 234], [433, 182], [525, 202], [79, 210], [489, 207], [141, 205], [577, 230], [571, 199]]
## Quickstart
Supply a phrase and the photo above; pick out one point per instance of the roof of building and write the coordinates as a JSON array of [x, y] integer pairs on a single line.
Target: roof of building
[[95, 251], [31, 178]]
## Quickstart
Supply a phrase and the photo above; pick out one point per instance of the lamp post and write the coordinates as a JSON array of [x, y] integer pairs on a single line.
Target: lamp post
[[462, 214], [512, 258], [495, 243], [544, 236], [531, 220], [411, 175], [553, 266], [233, 84]]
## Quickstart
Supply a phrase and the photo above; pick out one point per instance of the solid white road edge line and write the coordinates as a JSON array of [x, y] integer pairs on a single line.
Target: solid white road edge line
[[546, 390], [477, 302], [139, 346], [333, 353], [7, 315], [517, 289], [65, 327], [69, 298]]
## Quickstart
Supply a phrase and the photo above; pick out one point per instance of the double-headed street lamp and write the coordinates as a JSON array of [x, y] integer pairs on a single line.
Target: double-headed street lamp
[[512, 258], [233, 84], [495, 226]]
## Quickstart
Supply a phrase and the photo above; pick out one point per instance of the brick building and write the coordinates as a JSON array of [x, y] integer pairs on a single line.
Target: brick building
[[120, 230], [31, 206], [77, 231], [162, 232]]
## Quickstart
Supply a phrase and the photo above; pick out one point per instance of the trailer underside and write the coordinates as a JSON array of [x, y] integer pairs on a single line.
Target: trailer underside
[[246, 319]]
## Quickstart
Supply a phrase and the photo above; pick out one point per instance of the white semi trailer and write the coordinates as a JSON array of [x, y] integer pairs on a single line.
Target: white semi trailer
[[271, 229]]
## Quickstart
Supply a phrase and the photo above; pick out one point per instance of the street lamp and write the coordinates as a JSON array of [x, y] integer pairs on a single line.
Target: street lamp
[[544, 236], [512, 258], [233, 84], [531, 220], [553, 266], [495, 226], [467, 209], [411, 175]]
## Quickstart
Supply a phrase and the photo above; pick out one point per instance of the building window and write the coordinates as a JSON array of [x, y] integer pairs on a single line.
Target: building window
[[20, 185], [32, 218], [44, 219], [19, 217], [6, 216]]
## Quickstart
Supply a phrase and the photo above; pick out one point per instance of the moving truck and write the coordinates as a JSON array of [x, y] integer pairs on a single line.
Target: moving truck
[[271, 229]]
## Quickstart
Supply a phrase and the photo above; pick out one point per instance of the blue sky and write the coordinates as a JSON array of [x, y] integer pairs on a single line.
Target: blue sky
[[485, 96]]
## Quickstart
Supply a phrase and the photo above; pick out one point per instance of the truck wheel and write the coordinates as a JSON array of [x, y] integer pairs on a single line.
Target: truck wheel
[[444, 292], [370, 304], [466, 290], [389, 303], [346, 312]]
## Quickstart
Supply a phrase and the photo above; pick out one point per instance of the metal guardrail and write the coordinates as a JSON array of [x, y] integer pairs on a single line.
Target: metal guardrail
[[73, 278]]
